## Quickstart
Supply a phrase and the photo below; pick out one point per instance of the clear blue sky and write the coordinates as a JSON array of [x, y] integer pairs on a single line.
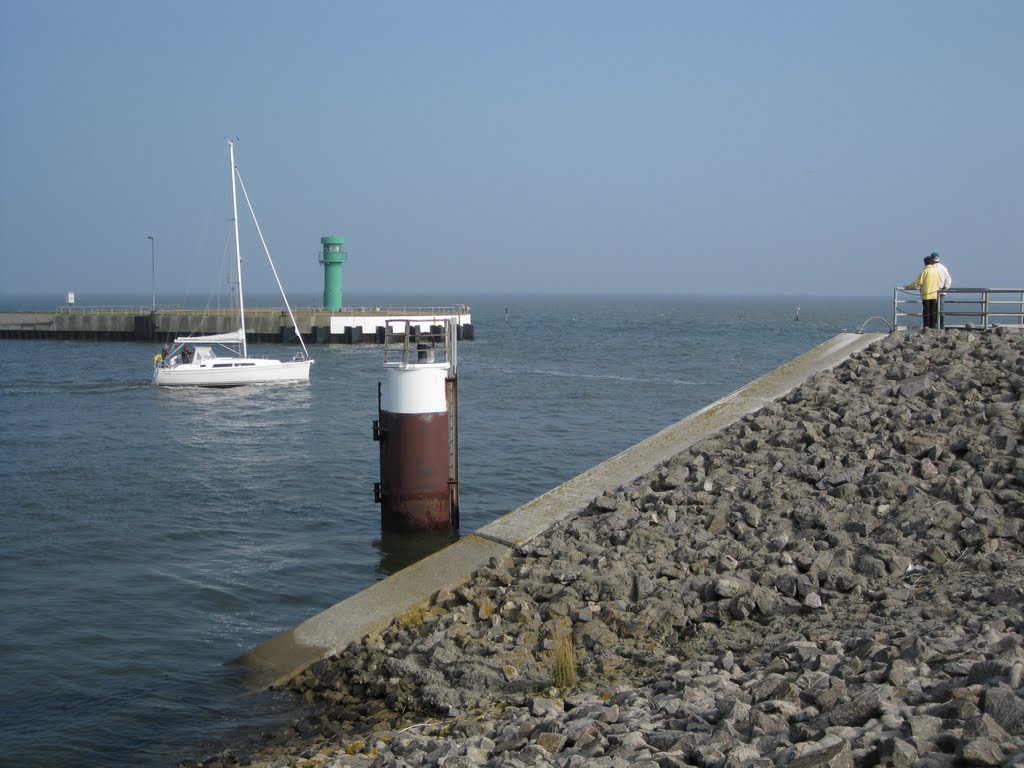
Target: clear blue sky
[[599, 147]]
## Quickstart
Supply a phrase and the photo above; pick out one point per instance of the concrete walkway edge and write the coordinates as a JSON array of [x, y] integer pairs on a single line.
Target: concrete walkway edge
[[285, 655]]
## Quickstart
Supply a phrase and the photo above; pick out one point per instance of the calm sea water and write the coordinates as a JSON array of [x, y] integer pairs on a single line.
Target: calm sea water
[[150, 536]]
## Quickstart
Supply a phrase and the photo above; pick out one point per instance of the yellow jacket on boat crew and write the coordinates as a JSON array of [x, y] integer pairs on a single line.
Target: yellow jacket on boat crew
[[928, 281]]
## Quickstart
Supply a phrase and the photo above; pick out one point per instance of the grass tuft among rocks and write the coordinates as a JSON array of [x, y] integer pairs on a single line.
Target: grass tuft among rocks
[[563, 659]]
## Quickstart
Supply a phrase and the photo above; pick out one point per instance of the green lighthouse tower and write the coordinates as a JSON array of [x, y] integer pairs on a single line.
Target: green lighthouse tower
[[332, 257]]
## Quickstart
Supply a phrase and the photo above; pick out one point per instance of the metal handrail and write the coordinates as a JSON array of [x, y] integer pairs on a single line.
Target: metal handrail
[[127, 309], [122, 309], [983, 306], [395, 310], [404, 345]]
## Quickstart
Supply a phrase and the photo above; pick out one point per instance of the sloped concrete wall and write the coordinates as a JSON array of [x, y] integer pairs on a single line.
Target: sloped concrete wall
[[280, 658]]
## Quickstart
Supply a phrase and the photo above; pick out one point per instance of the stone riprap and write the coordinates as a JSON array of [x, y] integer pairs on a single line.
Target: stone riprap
[[834, 580]]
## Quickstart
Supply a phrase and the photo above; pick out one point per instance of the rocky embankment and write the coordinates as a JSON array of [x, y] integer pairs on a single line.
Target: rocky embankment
[[835, 580]]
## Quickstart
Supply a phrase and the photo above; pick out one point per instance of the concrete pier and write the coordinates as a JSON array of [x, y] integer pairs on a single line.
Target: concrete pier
[[280, 658], [264, 325]]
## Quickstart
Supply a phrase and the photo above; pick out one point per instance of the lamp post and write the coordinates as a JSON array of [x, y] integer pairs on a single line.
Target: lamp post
[[152, 256]]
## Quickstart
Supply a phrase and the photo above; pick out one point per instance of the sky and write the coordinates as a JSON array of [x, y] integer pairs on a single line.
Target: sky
[[610, 146]]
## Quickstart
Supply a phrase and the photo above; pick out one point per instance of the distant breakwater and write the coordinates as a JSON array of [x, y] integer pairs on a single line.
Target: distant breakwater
[[263, 325]]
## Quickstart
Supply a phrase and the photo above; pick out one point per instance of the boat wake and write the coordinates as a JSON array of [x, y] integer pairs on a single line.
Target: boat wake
[[596, 376]]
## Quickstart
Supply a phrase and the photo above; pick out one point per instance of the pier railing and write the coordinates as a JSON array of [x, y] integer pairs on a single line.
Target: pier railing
[[962, 308], [392, 310], [116, 309], [398, 311]]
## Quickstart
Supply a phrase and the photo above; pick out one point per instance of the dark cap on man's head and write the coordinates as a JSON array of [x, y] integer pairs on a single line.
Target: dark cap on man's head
[[935, 257]]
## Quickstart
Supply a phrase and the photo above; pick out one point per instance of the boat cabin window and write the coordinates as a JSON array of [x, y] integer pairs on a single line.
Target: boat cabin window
[[203, 353]]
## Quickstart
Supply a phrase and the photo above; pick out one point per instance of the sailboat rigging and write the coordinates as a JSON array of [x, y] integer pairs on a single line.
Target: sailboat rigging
[[222, 360]]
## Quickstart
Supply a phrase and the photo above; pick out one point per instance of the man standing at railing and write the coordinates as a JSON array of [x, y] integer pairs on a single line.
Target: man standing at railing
[[945, 281], [928, 281]]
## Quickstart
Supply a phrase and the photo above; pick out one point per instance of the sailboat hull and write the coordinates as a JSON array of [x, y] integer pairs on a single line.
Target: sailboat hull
[[233, 372]]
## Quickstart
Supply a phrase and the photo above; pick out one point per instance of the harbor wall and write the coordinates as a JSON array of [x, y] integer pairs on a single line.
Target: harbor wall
[[277, 660], [262, 325]]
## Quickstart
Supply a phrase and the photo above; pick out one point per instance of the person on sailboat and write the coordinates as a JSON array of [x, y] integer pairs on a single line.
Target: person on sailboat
[[186, 354]]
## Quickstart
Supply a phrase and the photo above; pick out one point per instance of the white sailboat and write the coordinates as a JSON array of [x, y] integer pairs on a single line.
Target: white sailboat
[[222, 360]]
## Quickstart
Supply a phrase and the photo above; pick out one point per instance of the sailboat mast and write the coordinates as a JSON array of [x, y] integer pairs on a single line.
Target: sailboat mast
[[238, 246]]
